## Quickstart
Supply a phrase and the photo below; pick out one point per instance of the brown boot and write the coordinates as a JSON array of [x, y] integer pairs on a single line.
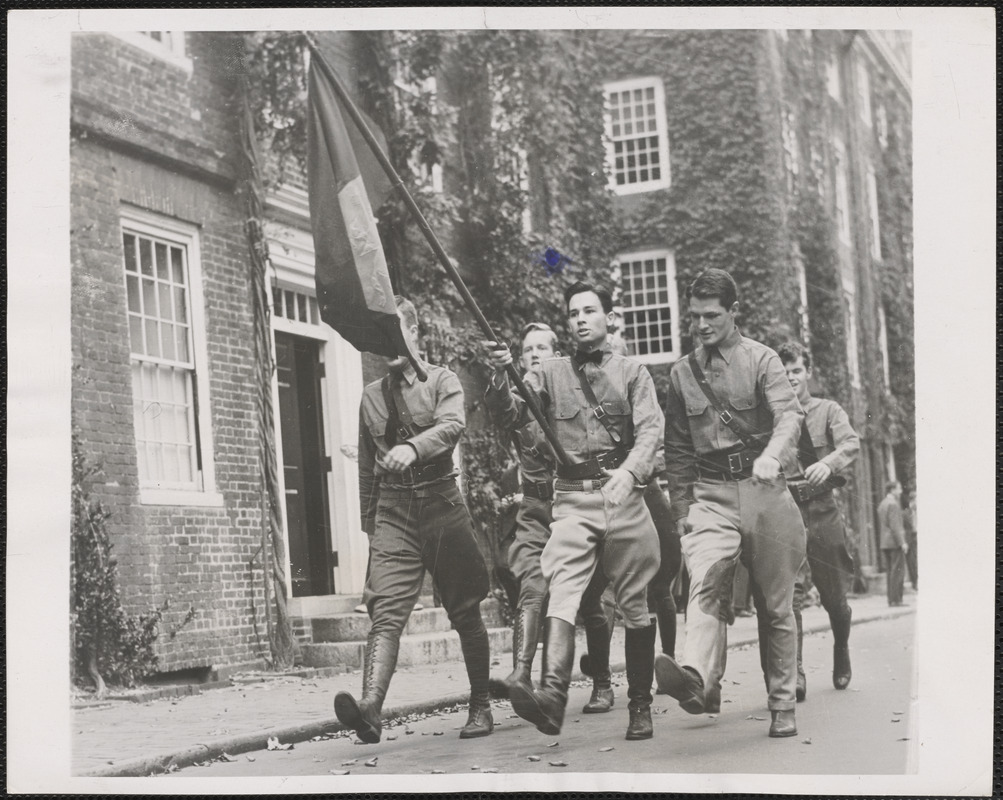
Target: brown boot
[[544, 707], [639, 649], [597, 640], [477, 659], [841, 672], [363, 717], [525, 636]]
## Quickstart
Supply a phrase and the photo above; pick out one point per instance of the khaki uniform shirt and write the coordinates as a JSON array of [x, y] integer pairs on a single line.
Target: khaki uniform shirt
[[435, 405], [836, 443], [748, 379], [537, 461], [627, 394]]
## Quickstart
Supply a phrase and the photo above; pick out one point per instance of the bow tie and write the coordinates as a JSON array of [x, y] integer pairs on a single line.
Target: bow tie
[[582, 358]]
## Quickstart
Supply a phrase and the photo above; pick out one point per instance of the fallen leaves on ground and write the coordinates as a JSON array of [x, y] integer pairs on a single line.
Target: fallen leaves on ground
[[228, 758], [894, 720], [339, 771], [437, 733], [806, 741], [438, 772], [372, 762], [391, 737], [489, 770], [275, 744], [553, 744], [760, 719], [532, 758], [606, 749], [558, 763], [251, 759], [349, 763]]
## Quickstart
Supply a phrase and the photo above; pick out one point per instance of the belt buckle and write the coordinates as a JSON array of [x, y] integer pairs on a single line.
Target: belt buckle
[[804, 492], [599, 412], [732, 463], [726, 417]]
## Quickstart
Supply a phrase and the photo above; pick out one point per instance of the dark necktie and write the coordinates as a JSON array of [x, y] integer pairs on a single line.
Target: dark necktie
[[582, 357], [393, 418], [711, 352]]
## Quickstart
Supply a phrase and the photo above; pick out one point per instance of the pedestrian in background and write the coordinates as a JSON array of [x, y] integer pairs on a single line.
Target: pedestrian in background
[[893, 542], [732, 426], [911, 556], [416, 519], [605, 413]]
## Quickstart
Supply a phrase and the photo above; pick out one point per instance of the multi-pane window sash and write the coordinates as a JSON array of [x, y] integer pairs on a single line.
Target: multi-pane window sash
[[296, 306], [650, 308], [638, 132], [163, 366]]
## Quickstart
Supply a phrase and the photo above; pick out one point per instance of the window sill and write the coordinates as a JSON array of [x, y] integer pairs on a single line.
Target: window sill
[[639, 188], [180, 497]]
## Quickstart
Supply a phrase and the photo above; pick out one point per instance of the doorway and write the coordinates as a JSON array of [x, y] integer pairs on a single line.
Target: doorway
[[305, 465]]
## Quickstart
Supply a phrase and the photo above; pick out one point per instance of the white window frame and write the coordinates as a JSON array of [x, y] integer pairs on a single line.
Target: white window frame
[[803, 314], [789, 140], [143, 222], [881, 116], [173, 53], [672, 305], [842, 190], [864, 93], [661, 129], [883, 345], [852, 351], [872, 210], [833, 82]]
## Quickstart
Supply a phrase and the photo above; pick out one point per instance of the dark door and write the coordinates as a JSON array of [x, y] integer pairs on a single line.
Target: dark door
[[304, 464]]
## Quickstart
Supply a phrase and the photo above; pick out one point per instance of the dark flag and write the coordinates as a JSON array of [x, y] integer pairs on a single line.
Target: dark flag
[[353, 285]]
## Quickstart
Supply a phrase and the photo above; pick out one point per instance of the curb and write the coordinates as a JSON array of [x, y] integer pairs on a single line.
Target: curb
[[147, 765]]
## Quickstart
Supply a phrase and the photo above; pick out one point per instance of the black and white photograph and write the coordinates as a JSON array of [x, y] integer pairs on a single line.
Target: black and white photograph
[[501, 399]]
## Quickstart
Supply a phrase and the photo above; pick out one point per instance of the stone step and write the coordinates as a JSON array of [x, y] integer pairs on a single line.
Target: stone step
[[354, 627], [415, 649]]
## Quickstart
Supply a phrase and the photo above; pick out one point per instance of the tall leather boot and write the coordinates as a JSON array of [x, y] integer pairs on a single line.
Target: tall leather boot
[[477, 658], [544, 707], [597, 639], [764, 644], [665, 613], [640, 652], [363, 717], [801, 689], [525, 636], [841, 672]]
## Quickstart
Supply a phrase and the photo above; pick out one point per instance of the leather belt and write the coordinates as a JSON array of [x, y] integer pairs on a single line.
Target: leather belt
[[592, 469], [542, 490], [565, 485], [734, 466], [421, 473], [803, 491]]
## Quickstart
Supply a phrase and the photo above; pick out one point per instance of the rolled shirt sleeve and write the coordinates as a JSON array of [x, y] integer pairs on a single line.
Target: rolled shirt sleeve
[[646, 457], [680, 455], [785, 408], [846, 442]]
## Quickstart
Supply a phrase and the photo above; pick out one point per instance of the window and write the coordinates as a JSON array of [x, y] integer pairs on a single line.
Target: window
[[650, 303], [638, 135], [842, 190], [872, 210], [882, 126], [166, 45], [294, 305], [832, 81], [789, 135], [864, 93], [803, 319], [852, 355], [168, 361], [883, 346]]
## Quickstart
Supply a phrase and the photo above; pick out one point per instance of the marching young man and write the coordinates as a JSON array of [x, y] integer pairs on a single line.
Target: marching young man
[[416, 520], [537, 464], [732, 426], [606, 416], [830, 447]]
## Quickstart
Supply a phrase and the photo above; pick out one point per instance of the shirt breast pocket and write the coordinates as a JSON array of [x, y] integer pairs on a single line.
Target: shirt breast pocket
[[569, 419], [423, 419], [744, 400], [378, 429]]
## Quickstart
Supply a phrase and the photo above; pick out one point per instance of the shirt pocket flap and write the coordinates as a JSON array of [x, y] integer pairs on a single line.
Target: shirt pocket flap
[[567, 406], [695, 406], [743, 402], [424, 419], [378, 429]]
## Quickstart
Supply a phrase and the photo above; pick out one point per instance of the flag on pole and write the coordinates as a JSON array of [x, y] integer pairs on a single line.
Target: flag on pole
[[345, 182]]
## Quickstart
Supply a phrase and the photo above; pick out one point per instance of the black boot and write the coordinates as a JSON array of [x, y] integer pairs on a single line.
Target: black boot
[[841, 672], [801, 689], [764, 645], [594, 632], [363, 717], [597, 639], [639, 649], [477, 658], [665, 612], [544, 707], [525, 635]]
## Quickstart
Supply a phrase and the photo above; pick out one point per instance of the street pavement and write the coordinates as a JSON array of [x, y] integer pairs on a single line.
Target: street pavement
[[864, 730], [161, 736]]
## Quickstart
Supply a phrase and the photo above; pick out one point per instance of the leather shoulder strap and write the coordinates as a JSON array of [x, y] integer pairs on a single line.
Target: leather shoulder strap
[[597, 410], [747, 436], [399, 416]]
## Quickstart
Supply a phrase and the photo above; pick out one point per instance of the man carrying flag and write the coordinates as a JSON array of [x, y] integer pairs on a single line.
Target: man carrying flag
[[409, 423]]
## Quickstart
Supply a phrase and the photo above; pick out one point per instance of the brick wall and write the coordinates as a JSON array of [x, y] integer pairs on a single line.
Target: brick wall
[[148, 135]]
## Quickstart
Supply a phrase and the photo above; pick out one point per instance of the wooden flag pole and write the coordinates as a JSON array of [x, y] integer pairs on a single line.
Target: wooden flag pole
[[433, 242]]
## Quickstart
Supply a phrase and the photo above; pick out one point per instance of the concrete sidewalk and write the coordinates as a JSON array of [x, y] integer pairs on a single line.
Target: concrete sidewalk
[[120, 738]]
